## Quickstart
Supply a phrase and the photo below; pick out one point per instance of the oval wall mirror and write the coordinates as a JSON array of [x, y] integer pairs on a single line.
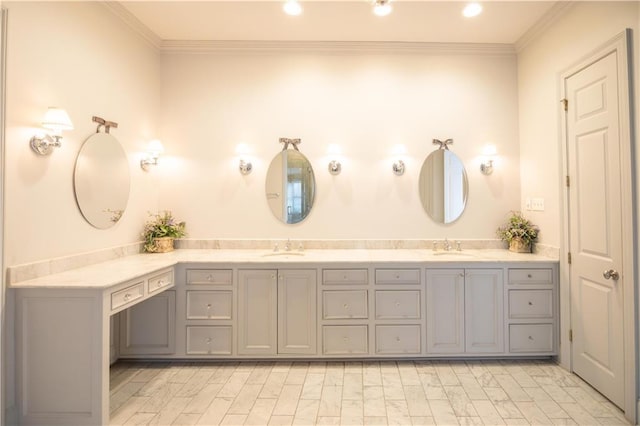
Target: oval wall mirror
[[101, 180], [443, 186], [290, 186]]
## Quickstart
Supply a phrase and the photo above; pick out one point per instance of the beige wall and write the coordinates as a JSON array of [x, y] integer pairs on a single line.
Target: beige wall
[[81, 57], [367, 104], [584, 27]]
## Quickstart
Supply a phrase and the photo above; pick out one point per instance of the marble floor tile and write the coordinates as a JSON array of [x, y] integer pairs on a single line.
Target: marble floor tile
[[425, 392]]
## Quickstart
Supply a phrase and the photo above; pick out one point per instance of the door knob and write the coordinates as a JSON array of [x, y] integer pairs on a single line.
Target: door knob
[[611, 273]]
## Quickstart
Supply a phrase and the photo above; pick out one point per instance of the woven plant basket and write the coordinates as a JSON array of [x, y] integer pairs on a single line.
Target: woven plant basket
[[518, 246], [163, 245]]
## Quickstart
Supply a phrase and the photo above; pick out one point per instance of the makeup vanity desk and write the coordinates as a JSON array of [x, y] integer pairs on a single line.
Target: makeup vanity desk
[[319, 304]]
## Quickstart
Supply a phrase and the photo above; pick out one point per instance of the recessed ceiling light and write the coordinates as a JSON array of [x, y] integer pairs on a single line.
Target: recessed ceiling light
[[472, 9], [292, 7], [382, 7]]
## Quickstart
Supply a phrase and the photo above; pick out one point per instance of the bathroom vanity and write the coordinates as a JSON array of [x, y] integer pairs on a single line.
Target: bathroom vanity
[[250, 304]]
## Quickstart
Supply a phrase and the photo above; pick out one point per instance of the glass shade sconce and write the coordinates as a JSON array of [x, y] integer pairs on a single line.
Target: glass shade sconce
[[56, 120], [154, 150], [292, 8], [489, 152], [381, 7]]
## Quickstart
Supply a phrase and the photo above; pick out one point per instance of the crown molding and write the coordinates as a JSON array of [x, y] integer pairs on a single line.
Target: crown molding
[[132, 22], [256, 46], [552, 15]]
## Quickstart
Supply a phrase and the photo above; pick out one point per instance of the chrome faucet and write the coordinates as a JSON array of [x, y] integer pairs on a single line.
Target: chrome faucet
[[287, 245], [447, 245], [458, 245]]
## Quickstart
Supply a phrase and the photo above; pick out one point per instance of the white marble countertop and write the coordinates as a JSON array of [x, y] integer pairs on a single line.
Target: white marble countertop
[[113, 272]]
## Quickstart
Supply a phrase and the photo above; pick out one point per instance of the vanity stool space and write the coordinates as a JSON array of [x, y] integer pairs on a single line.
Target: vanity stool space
[[234, 304]]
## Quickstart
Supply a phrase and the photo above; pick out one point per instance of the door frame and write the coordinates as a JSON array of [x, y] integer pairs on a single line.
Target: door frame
[[621, 44]]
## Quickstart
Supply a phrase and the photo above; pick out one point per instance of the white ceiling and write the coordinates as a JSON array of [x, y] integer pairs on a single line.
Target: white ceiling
[[338, 20]]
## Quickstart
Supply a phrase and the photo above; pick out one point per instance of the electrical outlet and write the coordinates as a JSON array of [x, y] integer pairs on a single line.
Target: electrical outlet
[[527, 204], [537, 204]]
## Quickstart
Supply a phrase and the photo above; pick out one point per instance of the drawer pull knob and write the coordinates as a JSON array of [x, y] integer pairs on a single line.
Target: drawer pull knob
[[530, 338], [344, 277], [160, 283], [346, 339], [209, 277], [346, 306], [397, 304], [398, 276], [209, 340], [529, 276], [127, 297], [530, 304], [208, 305], [397, 338]]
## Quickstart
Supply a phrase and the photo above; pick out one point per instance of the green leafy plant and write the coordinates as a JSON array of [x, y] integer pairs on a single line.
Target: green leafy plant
[[161, 224], [518, 227]]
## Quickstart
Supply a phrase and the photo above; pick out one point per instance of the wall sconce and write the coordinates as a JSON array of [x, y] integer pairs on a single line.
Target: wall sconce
[[154, 150], [486, 167], [335, 167], [292, 7], [245, 167], [381, 7], [398, 168], [57, 120]]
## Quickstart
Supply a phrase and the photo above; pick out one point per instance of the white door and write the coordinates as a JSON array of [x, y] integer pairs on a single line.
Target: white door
[[297, 311], [483, 311], [257, 312], [595, 229]]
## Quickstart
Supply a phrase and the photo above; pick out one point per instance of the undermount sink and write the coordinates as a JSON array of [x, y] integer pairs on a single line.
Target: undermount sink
[[452, 253], [283, 253]]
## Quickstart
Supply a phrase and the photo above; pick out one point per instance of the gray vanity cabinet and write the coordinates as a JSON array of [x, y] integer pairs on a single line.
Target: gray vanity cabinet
[[277, 312], [465, 311], [445, 311]]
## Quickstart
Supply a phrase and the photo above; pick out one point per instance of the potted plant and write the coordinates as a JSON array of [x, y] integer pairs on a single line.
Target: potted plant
[[160, 231], [519, 233]]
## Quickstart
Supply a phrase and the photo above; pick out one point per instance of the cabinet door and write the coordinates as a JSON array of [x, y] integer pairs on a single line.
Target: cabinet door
[[445, 310], [297, 312], [149, 328], [257, 315], [484, 318]]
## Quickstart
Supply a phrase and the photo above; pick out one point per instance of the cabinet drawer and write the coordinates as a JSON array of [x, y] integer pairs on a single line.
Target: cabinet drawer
[[127, 295], [397, 339], [397, 304], [214, 340], [530, 304], [159, 282], [530, 337], [345, 340], [530, 276], [216, 305], [210, 276], [397, 276], [344, 304], [345, 276]]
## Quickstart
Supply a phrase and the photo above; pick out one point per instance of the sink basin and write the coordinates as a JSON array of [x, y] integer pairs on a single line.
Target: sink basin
[[283, 254], [452, 253]]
